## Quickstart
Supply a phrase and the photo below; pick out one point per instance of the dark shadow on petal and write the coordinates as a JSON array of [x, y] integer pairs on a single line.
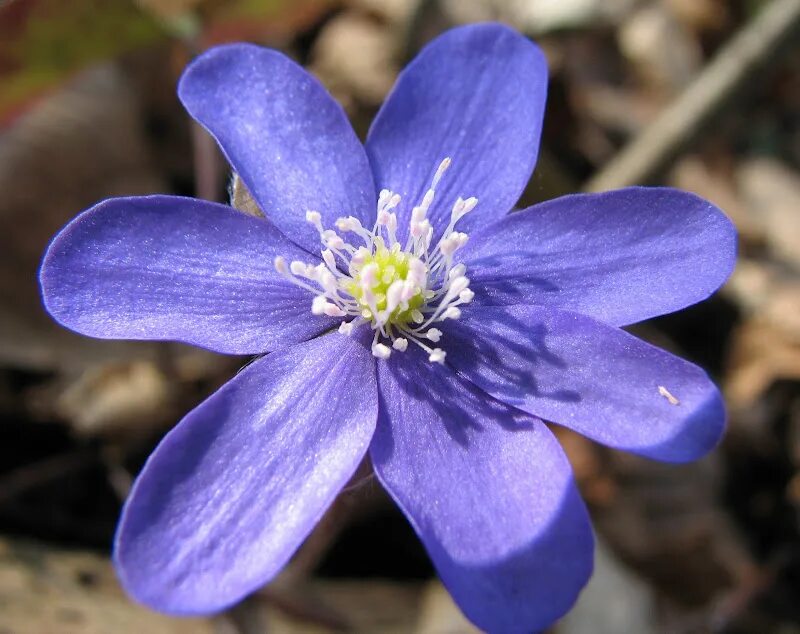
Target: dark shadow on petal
[[530, 588], [513, 374], [590, 377], [494, 285], [498, 510], [431, 383]]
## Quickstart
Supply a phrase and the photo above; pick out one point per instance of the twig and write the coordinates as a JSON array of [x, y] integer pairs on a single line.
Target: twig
[[206, 164], [119, 478], [246, 617], [649, 152], [205, 155]]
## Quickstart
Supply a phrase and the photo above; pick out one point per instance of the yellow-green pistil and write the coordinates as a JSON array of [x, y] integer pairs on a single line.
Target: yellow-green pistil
[[391, 265]]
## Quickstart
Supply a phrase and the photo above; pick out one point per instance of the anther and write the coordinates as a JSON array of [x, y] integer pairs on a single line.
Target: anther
[[346, 328], [315, 219], [318, 305], [457, 271], [369, 275], [440, 171], [457, 285], [330, 260]]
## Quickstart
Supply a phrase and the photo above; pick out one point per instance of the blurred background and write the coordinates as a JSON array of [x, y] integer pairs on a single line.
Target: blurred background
[[698, 94]]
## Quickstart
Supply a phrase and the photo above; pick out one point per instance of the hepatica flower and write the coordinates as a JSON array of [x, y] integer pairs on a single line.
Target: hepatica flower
[[407, 316]]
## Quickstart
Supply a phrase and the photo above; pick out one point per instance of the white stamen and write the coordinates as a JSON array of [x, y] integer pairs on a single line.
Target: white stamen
[[457, 271], [321, 306], [457, 285], [399, 290], [369, 276], [466, 296], [334, 241], [327, 255], [315, 219], [346, 328], [351, 223], [332, 310], [440, 171], [434, 334], [395, 295]]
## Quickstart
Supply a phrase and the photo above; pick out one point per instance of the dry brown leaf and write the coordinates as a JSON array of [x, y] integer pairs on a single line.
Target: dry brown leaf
[[79, 146], [118, 397], [355, 57], [772, 191], [760, 355], [694, 175], [52, 591]]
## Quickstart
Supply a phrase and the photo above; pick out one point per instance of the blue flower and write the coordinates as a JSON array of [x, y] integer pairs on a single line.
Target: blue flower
[[408, 316]]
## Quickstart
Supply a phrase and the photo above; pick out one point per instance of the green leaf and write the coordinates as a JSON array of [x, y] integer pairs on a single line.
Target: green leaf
[[43, 42]]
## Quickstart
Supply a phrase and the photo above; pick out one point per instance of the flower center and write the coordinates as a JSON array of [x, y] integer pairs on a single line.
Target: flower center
[[401, 291]]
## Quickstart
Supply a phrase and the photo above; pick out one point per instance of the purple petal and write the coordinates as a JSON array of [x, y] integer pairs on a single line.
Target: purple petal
[[290, 142], [475, 94], [163, 267], [233, 490], [621, 257], [489, 492], [588, 376]]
